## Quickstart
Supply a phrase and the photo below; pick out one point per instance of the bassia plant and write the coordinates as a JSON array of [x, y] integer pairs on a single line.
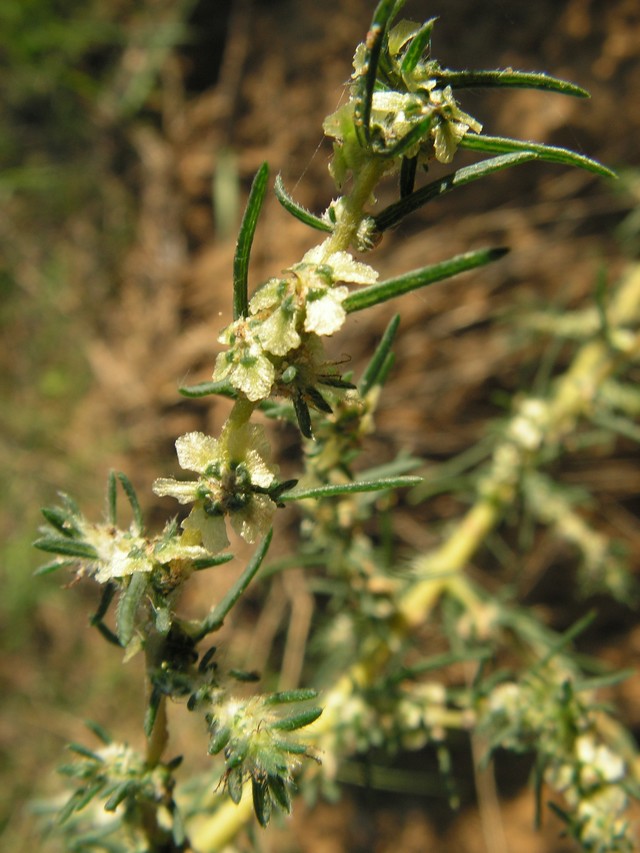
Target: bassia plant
[[372, 680]]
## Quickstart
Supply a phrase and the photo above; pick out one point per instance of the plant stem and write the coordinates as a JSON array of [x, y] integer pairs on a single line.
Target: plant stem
[[241, 412], [573, 396], [365, 182], [159, 738]]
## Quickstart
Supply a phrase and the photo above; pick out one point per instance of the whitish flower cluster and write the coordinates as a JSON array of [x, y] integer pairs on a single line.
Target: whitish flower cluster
[[285, 315], [116, 779], [412, 115], [122, 553], [234, 479], [256, 737], [109, 554], [577, 763]]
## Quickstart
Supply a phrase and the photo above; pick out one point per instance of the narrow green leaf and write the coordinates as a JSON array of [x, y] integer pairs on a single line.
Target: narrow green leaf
[[302, 415], [261, 800], [128, 608], [174, 763], [621, 425], [602, 682], [316, 399], [384, 290], [219, 740], [283, 697], [112, 498], [294, 748], [408, 171], [329, 491], [235, 784], [298, 210], [152, 710], [179, 830], [203, 389], [564, 640], [297, 721], [549, 153], [508, 78], [105, 601], [393, 214], [119, 795], [217, 616], [48, 568], [208, 562], [162, 619], [279, 792], [59, 519], [79, 800], [99, 731], [85, 752], [417, 132], [418, 47], [66, 547], [245, 677], [245, 240], [366, 84], [130, 492], [378, 360], [108, 634], [438, 662]]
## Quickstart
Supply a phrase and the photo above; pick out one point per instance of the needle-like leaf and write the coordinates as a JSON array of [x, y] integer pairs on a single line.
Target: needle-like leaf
[[245, 240], [508, 78], [217, 616], [298, 210], [393, 214], [416, 279], [549, 153], [356, 486]]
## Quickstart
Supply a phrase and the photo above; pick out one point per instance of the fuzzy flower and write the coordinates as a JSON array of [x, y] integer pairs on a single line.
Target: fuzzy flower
[[308, 298], [415, 116], [451, 126], [119, 553], [109, 554], [245, 363], [234, 479], [122, 553]]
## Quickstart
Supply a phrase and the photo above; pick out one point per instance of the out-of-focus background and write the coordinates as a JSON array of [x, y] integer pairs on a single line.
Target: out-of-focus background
[[129, 135]]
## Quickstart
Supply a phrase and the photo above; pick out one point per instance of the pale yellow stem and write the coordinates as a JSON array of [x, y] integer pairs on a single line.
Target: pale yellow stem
[[573, 395], [353, 206]]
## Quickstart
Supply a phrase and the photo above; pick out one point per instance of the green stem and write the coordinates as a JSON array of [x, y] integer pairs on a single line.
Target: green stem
[[159, 738], [353, 206], [240, 413]]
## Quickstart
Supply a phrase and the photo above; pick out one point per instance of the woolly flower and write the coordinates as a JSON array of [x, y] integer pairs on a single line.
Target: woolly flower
[[234, 478], [307, 298], [119, 554], [453, 124], [343, 267], [417, 104], [245, 363]]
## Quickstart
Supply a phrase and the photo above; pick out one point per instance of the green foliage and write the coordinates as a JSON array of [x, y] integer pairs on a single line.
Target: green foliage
[[525, 688]]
